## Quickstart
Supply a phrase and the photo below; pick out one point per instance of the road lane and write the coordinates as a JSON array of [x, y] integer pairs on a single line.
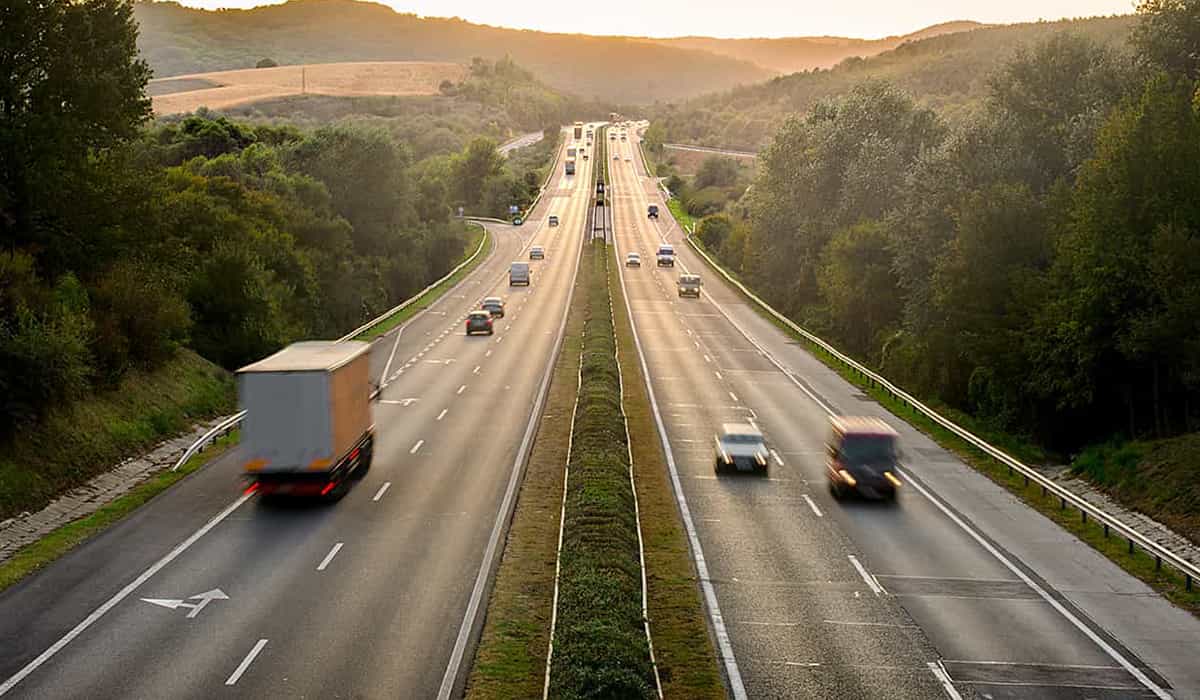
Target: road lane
[[382, 616], [947, 599]]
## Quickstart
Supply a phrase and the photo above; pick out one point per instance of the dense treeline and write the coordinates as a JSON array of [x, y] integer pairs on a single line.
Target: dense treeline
[[122, 243], [1037, 265]]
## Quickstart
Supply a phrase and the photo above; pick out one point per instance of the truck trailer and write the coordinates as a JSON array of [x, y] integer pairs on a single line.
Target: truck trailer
[[578, 130], [308, 429]]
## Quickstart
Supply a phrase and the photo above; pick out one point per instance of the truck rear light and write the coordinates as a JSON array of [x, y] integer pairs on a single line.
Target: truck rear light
[[250, 489], [328, 488]]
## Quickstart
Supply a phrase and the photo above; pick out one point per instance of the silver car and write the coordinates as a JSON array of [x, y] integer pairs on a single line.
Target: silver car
[[740, 447]]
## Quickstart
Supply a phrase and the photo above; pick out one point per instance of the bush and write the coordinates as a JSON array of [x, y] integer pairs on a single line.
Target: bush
[[266, 63], [709, 200], [714, 230], [128, 330]]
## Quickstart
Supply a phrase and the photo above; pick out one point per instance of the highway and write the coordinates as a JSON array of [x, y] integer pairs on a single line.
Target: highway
[[209, 592], [957, 590]]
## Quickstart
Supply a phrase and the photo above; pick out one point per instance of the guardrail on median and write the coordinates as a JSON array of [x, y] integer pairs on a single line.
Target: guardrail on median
[[1109, 522], [231, 423]]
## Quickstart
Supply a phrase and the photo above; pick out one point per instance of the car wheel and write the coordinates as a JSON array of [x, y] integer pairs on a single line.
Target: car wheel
[[835, 491], [719, 466]]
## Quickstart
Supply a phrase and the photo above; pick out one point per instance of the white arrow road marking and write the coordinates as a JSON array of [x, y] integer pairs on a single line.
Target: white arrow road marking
[[202, 599], [237, 672]]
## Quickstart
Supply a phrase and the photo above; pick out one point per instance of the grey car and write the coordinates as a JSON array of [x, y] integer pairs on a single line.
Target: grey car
[[740, 447]]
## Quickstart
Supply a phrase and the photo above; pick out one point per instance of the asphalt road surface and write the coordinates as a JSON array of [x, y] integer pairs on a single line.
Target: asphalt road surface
[[370, 597], [956, 590]]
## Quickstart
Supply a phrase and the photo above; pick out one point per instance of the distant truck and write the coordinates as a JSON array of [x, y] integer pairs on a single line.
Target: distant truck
[[308, 429], [569, 166], [571, 152], [578, 130]]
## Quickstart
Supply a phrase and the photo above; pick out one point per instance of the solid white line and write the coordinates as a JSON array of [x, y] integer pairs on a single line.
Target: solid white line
[[382, 490], [866, 576], [442, 414], [461, 389], [121, 595], [237, 672], [778, 459], [416, 447], [812, 505], [337, 547], [1087, 631], [940, 673], [391, 356]]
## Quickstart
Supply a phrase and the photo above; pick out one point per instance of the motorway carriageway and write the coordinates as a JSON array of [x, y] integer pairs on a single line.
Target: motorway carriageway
[[371, 597], [956, 590]]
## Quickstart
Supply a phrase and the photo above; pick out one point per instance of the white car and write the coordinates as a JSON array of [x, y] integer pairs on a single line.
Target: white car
[[740, 446], [537, 252], [633, 260]]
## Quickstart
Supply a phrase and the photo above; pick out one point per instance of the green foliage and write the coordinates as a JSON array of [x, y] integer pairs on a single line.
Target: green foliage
[[266, 63], [714, 231], [716, 171], [1168, 36]]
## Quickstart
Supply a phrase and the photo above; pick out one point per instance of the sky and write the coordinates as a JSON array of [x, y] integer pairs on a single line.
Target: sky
[[868, 19]]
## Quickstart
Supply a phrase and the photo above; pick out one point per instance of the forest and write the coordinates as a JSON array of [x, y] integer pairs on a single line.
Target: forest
[[125, 240], [1036, 265]]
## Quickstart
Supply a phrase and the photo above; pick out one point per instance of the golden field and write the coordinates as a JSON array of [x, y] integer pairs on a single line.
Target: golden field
[[238, 87]]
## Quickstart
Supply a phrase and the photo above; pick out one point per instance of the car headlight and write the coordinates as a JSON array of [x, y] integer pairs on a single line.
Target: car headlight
[[846, 477], [892, 479]]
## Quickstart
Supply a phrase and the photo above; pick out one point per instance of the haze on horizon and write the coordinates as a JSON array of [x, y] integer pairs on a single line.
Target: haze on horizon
[[867, 19]]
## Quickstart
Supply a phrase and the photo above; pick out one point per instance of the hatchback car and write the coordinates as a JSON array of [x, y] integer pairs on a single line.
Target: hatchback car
[[862, 458], [689, 285], [537, 252], [740, 446], [633, 260], [479, 322], [494, 306]]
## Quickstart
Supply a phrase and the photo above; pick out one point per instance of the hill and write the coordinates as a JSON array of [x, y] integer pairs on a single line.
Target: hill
[[947, 72], [225, 89], [794, 54], [177, 40]]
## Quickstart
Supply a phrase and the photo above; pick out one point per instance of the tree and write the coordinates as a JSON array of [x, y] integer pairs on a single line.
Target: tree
[[717, 171], [714, 230], [1168, 35], [472, 168], [73, 83], [266, 63], [859, 285]]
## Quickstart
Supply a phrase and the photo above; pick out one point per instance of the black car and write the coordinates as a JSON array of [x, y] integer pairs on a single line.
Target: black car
[[479, 322]]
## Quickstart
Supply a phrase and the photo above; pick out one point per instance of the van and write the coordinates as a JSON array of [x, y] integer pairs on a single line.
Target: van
[[518, 273], [862, 457]]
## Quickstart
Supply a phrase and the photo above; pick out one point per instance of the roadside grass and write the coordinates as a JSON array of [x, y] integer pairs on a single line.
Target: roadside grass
[[600, 645], [428, 298], [686, 220], [510, 660], [683, 647], [1167, 581], [81, 440], [62, 540]]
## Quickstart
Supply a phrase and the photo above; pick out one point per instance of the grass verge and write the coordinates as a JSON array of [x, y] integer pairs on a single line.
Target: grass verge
[[62, 540], [1168, 582], [687, 661], [85, 438], [428, 298], [686, 220], [510, 661], [600, 645]]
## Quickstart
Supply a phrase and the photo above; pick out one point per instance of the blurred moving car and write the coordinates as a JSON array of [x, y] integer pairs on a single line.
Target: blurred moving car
[[862, 458], [494, 306], [633, 260], [537, 252], [689, 285], [479, 322], [740, 446]]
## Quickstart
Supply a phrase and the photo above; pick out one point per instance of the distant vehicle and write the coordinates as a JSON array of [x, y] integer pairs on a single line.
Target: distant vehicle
[[862, 457], [494, 306], [578, 130], [537, 252], [633, 260], [665, 256], [627, 159], [518, 273], [623, 137], [572, 151], [740, 446], [689, 285], [553, 220], [517, 221], [652, 211], [308, 427], [616, 156], [585, 156], [479, 322], [612, 136], [569, 167]]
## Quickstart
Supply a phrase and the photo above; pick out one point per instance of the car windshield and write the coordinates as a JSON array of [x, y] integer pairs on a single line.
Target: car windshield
[[666, 250], [742, 439], [868, 448]]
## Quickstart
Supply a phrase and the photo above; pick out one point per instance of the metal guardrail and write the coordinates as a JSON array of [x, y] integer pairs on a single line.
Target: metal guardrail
[[1161, 554], [732, 153], [231, 423]]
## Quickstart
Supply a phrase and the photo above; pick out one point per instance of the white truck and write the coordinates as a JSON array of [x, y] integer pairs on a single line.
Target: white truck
[[308, 428]]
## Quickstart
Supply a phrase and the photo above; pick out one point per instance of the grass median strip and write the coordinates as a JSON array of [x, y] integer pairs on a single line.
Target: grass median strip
[[687, 661], [61, 541], [428, 298], [1167, 581], [600, 644]]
